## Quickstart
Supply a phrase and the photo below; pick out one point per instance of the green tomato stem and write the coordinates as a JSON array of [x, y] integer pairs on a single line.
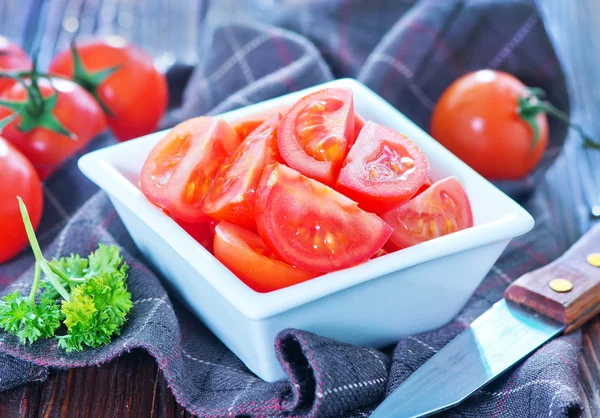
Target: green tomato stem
[[533, 104], [37, 252], [36, 283]]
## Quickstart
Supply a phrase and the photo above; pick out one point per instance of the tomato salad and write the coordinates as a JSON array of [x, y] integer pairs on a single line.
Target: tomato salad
[[290, 194]]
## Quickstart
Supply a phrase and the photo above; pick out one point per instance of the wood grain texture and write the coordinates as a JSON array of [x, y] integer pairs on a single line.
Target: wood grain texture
[[572, 308], [131, 386]]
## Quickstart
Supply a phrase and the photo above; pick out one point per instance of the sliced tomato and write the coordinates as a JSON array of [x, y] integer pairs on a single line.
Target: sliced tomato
[[201, 232], [380, 253], [231, 196], [424, 187], [383, 169], [312, 226], [181, 167], [359, 123], [247, 256], [212, 224], [244, 126], [440, 210], [317, 132]]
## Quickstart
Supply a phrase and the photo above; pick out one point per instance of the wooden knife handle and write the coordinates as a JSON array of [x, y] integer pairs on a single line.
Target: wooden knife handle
[[580, 267]]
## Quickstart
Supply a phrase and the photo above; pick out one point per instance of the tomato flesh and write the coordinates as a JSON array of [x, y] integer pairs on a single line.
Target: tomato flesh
[[440, 210], [247, 256], [17, 178], [201, 232], [359, 123], [181, 167], [424, 187], [244, 126], [312, 226], [316, 133], [231, 196], [383, 169]]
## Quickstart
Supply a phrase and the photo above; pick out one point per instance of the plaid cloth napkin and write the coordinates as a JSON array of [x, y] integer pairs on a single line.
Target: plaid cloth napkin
[[408, 52]]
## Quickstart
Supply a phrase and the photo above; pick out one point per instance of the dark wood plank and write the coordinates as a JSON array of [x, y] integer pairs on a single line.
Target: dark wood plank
[[130, 386]]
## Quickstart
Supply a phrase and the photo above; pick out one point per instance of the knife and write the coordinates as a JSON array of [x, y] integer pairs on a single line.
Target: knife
[[555, 299]]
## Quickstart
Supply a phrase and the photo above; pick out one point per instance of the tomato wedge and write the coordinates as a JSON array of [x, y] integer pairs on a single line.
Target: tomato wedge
[[247, 256], [312, 226], [201, 232], [231, 196], [440, 210], [181, 167], [244, 126], [317, 132], [383, 169], [359, 123], [424, 187]]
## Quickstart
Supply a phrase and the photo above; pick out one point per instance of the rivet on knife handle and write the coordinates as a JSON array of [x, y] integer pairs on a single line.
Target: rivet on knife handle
[[539, 290]]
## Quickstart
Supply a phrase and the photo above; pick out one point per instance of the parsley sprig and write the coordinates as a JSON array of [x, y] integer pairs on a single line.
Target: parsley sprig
[[87, 295]]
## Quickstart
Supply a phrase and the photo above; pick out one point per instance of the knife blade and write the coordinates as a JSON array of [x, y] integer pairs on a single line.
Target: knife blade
[[559, 297]]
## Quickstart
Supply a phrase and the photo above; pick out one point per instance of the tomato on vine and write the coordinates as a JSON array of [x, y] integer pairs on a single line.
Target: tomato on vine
[[122, 78], [496, 124], [48, 119]]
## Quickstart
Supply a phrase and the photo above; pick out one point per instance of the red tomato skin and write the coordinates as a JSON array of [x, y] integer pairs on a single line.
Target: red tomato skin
[[209, 141], [17, 178], [379, 196], [476, 118], [75, 109], [245, 125], [12, 60], [241, 173], [136, 94], [429, 206], [295, 155], [235, 247], [282, 190], [201, 232]]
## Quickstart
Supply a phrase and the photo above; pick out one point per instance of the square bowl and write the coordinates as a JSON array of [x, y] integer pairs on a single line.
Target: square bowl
[[374, 304]]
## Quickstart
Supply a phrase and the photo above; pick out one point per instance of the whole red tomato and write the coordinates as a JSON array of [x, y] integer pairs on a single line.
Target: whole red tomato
[[12, 59], [17, 178], [123, 79], [48, 133], [478, 119]]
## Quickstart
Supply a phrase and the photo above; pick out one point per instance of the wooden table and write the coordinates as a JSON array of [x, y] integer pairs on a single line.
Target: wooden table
[[133, 386]]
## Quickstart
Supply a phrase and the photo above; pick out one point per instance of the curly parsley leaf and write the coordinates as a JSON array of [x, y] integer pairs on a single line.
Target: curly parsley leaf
[[29, 322], [97, 310], [88, 295]]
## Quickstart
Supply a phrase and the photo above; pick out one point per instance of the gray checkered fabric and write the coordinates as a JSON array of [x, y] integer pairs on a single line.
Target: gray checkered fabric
[[407, 51]]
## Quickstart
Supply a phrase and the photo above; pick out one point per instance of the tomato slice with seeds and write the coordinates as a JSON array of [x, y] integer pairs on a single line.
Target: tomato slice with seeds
[[383, 169], [180, 168], [247, 256], [312, 226], [231, 196], [442, 209], [317, 132], [244, 126]]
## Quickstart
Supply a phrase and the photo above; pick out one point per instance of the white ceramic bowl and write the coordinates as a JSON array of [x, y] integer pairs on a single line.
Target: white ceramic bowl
[[374, 304]]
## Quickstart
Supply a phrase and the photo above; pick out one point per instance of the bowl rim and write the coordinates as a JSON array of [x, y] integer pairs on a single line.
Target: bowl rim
[[254, 305]]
